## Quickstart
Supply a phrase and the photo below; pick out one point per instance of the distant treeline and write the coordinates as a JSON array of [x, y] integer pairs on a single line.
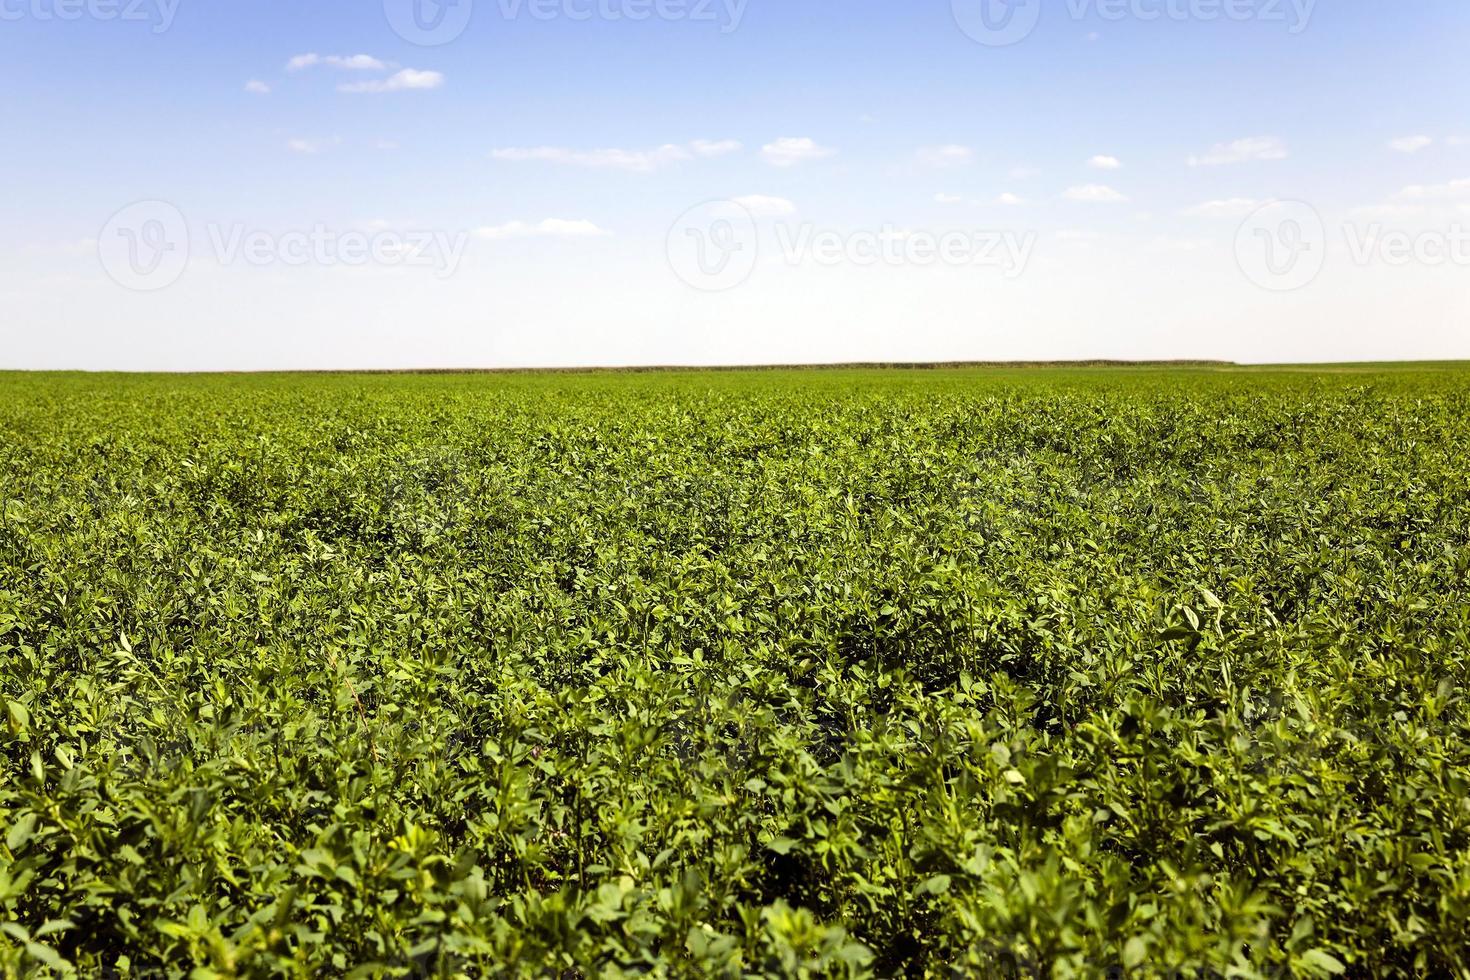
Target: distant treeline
[[853, 366]]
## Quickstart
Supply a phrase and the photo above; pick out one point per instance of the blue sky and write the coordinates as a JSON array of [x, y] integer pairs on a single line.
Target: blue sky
[[1129, 147]]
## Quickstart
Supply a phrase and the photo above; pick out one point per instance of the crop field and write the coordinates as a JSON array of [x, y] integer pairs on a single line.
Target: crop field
[[940, 673]]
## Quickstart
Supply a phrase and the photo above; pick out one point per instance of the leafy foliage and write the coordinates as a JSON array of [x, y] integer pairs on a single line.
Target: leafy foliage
[[788, 674]]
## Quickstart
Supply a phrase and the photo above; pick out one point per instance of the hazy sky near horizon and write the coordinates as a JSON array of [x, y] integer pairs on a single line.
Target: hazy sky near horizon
[[509, 183]]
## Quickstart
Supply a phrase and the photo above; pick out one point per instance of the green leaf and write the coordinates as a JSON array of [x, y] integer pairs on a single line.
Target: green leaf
[[938, 885], [1321, 961], [18, 716], [20, 833]]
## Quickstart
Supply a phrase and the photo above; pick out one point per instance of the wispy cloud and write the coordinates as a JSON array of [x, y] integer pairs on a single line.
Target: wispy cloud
[[1234, 207], [549, 228], [790, 151], [636, 161], [1389, 212], [1455, 190], [1249, 150], [256, 87], [358, 62], [1426, 201], [1005, 200], [1105, 162], [1094, 194], [311, 146], [78, 248], [714, 148], [1410, 144], [949, 155], [347, 62], [1166, 243], [763, 206], [407, 80]]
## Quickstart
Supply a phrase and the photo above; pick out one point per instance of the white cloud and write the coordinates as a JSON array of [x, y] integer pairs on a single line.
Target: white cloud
[[407, 80], [612, 159], [1427, 201], [1094, 194], [310, 146], [357, 62], [789, 151], [950, 155], [1455, 190], [257, 87], [1253, 149], [763, 206], [550, 228], [1410, 144], [1388, 212], [1005, 200], [1234, 207], [79, 248], [714, 148], [637, 161], [1104, 162], [1169, 244], [346, 62], [82, 248]]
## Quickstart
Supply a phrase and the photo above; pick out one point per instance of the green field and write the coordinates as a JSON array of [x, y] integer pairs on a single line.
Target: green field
[[784, 673]]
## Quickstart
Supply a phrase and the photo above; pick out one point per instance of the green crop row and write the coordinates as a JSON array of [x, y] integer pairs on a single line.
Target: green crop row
[[949, 673]]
